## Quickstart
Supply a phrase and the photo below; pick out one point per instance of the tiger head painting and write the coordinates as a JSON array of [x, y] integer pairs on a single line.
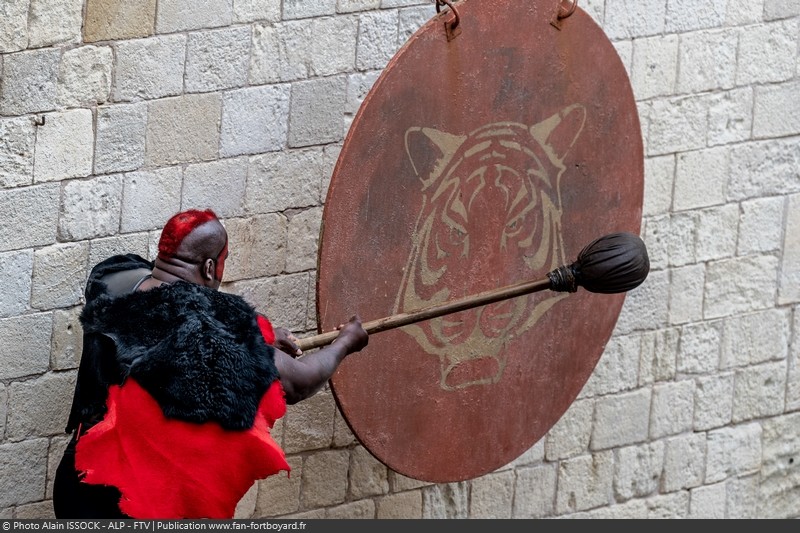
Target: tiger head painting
[[494, 192]]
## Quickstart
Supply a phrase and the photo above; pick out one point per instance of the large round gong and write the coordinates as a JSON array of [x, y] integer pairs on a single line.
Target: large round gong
[[481, 157]]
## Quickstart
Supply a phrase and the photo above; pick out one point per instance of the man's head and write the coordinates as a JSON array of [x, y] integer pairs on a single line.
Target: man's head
[[198, 238]]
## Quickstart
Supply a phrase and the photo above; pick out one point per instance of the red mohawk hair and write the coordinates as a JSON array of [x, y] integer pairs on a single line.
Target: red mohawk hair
[[179, 226]]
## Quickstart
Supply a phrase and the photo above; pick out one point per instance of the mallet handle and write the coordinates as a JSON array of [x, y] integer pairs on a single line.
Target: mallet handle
[[461, 304]]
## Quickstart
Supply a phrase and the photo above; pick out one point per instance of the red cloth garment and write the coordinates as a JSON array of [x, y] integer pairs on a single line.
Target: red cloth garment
[[171, 469], [266, 329]]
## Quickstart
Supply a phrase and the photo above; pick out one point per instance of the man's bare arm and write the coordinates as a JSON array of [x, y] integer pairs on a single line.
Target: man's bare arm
[[302, 377]]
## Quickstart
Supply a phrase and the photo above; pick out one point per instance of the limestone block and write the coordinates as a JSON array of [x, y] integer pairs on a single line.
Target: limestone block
[[150, 68], [777, 110], [571, 434], [85, 76], [303, 240], [377, 39], [29, 82], [284, 299], [740, 285], [677, 125], [59, 273], [713, 402], [733, 451], [183, 15], [618, 368], [659, 175], [585, 482], [183, 129], [300, 50], [257, 247], [655, 66], [33, 208], [535, 491], [793, 379], [700, 346], [216, 185], [659, 359], [761, 226], [23, 469], [54, 22], [686, 294], [708, 60], [449, 500], [780, 477], [743, 498], [740, 13], [367, 476], [308, 425], [533, 455], [40, 407], [685, 16], [15, 278], [91, 208], [150, 198], [401, 483], [324, 479], [285, 180], [299, 9], [27, 358], [645, 306], [671, 506], [247, 504], [684, 462], [342, 435], [638, 470], [108, 20], [217, 59], [759, 391], [316, 111], [717, 231], [280, 494], [764, 168], [672, 408], [363, 509], [400, 505], [756, 338], [492, 496], [682, 238], [410, 20], [14, 26], [351, 6], [767, 52], [358, 85], [621, 419], [632, 510], [708, 502], [253, 10], [67, 339], [625, 19], [701, 178], [64, 146], [657, 234], [54, 454], [3, 409], [121, 132], [17, 138], [730, 116], [133, 243], [254, 120], [37, 510], [780, 9]]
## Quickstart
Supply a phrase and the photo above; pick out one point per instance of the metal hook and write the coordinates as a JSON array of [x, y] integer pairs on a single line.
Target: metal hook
[[450, 26], [562, 13]]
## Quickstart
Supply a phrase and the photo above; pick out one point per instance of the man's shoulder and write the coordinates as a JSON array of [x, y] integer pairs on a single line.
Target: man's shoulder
[[112, 265]]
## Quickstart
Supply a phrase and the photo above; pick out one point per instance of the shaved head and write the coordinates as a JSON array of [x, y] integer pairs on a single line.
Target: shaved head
[[193, 246]]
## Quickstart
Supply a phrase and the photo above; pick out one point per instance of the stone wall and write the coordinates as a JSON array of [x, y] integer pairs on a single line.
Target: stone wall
[[116, 114]]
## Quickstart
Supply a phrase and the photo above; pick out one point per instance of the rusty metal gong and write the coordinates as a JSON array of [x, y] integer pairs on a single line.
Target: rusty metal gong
[[484, 155]]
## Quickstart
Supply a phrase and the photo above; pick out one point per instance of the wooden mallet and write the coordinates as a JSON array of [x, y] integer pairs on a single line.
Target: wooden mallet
[[614, 263]]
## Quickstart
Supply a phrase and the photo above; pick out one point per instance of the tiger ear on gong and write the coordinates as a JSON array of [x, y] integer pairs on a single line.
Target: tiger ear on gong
[[559, 132], [429, 151]]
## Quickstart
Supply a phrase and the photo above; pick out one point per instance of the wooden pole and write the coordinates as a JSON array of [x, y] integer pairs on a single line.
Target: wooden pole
[[454, 306]]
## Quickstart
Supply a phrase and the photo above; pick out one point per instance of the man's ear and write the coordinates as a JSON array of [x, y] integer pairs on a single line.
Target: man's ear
[[208, 270]]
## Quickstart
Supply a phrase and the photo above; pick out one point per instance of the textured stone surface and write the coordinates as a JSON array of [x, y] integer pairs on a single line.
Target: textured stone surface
[[621, 419], [308, 425], [684, 462], [31, 357], [733, 451], [118, 19], [450, 500], [492, 496], [638, 470], [14, 26], [40, 407], [203, 182], [285, 180], [54, 22], [59, 272], [280, 494], [183, 129], [182, 15], [84, 78], [149, 68], [254, 120], [91, 208], [367, 476], [315, 114], [585, 482], [149, 199], [789, 283], [401, 505], [29, 82], [15, 269], [257, 247], [17, 138], [217, 59], [33, 208], [64, 146], [570, 435], [23, 467], [672, 408], [120, 142], [324, 479], [780, 485]]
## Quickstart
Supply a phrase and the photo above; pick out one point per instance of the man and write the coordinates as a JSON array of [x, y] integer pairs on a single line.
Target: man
[[179, 384]]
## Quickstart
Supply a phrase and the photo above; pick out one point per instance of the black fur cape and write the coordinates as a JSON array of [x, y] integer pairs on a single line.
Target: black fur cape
[[199, 352]]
